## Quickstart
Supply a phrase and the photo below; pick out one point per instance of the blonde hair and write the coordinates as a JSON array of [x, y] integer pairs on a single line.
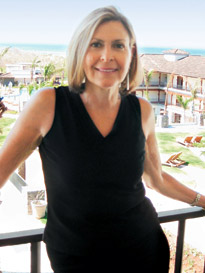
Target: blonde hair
[[80, 43]]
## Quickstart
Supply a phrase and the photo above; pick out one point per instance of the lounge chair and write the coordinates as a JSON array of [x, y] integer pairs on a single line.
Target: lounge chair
[[187, 141], [196, 139], [174, 161]]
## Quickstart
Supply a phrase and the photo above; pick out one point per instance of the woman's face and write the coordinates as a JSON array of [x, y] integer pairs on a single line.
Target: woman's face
[[108, 57]]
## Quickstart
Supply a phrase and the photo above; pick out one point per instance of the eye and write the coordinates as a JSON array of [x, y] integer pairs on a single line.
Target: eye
[[96, 44], [118, 45]]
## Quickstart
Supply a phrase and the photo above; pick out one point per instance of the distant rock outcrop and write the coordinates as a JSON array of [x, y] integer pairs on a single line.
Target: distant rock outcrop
[[15, 55]]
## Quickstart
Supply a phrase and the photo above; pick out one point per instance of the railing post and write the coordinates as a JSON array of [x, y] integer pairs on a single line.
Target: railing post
[[35, 257], [180, 246]]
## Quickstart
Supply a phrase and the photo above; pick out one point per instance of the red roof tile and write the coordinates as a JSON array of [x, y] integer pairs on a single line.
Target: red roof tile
[[191, 66], [6, 75]]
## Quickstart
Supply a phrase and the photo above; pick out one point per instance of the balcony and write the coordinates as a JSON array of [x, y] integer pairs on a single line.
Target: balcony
[[179, 86], [154, 85], [34, 237]]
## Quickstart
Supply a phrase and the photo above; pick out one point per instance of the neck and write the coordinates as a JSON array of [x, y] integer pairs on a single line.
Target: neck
[[101, 96]]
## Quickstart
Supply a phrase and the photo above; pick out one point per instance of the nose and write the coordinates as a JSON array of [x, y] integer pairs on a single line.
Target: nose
[[106, 54]]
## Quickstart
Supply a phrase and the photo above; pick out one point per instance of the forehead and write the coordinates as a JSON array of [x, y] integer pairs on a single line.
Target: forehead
[[112, 30]]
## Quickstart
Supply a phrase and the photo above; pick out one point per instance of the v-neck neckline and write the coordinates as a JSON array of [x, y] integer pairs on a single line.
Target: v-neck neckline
[[92, 123]]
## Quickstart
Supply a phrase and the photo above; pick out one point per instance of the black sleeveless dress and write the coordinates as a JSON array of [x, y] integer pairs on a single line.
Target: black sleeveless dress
[[96, 198]]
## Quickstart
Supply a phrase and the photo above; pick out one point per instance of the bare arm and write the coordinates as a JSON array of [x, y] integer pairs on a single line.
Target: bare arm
[[32, 125], [153, 175]]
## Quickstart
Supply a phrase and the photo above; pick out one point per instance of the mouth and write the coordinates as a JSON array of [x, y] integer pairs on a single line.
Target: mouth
[[106, 70]]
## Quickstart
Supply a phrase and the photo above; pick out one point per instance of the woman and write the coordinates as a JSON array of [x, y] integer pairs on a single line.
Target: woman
[[96, 142]]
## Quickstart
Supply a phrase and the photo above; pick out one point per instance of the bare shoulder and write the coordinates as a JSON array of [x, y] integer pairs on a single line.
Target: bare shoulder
[[147, 116], [146, 107], [32, 125], [39, 110], [45, 96]]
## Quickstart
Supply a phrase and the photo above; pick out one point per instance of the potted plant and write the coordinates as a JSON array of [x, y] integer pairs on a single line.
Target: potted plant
[[39, 205], [39, 208]]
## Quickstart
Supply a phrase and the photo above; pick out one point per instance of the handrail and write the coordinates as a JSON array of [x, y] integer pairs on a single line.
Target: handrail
[[21, 237], [180, 214], [34, 236]]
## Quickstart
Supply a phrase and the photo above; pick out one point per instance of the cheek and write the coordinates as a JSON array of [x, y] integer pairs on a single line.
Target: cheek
[[88, 61], [125, 62], [130, 58]]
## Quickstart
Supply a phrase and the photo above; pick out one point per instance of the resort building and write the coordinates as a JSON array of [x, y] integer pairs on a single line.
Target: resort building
[[20, 73], [6, 78], [176, 85]]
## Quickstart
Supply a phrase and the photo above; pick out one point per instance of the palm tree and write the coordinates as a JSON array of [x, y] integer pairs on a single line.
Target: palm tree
[[2, 53], [30, 88], [166, 93], [61, 71], [147, 79], [35, 62], [49, 71], [184, 102], [193, 91]]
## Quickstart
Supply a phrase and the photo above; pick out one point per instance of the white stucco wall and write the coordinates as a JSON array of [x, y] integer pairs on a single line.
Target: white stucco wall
[[153, 95], [162, 96], [155, 79], [174, 57], [164, 79], [139, 93], [203, 86], [192, 83]]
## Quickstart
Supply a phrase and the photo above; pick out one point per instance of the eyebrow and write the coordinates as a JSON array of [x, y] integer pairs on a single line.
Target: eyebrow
[[117, 40]]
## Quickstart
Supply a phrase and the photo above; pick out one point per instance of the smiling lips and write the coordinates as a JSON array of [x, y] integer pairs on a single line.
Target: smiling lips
[[106, 70]]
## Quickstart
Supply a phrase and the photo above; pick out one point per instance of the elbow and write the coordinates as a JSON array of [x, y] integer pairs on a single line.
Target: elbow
[[2, 182], [149, 182], [154, 182], [4, 177]]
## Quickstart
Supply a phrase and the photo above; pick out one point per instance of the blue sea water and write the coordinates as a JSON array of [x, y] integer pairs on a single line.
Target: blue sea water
[[37, 47], [159, 50], [62, 48]]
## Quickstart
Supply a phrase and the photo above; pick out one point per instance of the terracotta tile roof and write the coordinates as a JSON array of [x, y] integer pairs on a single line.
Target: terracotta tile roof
[[191, 66], [6, 75]]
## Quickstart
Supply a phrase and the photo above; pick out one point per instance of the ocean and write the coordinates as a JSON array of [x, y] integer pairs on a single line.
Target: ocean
[[53, 48], [58, 48]]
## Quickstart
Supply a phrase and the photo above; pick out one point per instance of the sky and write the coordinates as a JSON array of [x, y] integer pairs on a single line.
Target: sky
[[157, 23]]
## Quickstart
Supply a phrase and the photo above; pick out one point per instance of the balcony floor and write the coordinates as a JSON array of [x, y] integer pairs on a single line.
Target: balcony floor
[[20, 261]]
